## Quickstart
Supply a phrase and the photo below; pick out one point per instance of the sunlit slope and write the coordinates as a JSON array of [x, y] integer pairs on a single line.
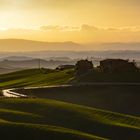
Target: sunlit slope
[[35, 77], [60, 120]]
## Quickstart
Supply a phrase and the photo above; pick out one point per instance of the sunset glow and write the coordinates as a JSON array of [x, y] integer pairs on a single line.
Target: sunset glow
[[82, 21]]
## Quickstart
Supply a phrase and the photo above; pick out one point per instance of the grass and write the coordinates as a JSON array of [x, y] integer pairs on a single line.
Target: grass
[[35, 77], [44, 77], [123, 99], [24, 131], [72, 113], [46, 118]]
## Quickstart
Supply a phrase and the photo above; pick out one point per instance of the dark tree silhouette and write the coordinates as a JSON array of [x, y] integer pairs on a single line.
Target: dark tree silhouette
[[83, 66], [117, 65]]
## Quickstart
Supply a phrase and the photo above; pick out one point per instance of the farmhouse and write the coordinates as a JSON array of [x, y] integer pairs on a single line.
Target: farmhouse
[[117, 65]]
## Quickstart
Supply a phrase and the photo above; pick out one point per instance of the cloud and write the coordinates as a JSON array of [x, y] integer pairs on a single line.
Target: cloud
[[83, 33], [86, 27], [92, 28], [59, 28], [123, 29], [82, 28]]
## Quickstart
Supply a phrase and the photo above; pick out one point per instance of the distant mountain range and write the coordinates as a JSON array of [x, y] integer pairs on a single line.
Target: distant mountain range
[[21, 45], [11, 45], [32, 63], [18, 54], [120, 46], [68, 55], [16, 58]]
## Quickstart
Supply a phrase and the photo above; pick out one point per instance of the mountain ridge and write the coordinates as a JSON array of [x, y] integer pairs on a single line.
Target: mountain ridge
[[23, 45], [11, 45]]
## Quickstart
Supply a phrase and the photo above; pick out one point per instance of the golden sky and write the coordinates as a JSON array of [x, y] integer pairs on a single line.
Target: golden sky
[[71, 20]]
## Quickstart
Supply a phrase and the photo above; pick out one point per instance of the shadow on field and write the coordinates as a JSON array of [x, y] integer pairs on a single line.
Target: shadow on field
[[122, 99]]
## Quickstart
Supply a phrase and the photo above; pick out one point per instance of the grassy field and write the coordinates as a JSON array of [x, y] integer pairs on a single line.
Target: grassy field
[[51, 119], [35, 77], [43, 77], [35, 119], [122, 99], [71, 113]]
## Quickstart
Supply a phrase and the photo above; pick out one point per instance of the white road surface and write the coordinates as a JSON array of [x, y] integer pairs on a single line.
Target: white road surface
[[11, 94]]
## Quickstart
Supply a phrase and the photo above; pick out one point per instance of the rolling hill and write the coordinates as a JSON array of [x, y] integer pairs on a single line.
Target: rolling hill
[[67, 113], [44, 77], [35, 77], [116, 98], [43, 118]]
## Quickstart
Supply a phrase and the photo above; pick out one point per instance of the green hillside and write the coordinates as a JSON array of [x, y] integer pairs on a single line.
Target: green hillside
[[44, 77], [35, 77], [51, 119], [117, 98], [25, 131], [67, 117]]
